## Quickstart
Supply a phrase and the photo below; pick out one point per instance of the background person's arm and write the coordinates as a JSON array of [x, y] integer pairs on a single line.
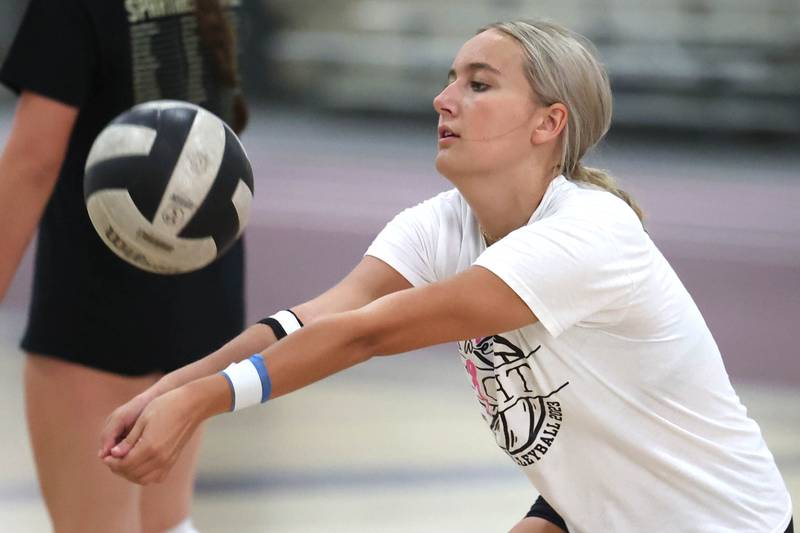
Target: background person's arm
[[29, 169]]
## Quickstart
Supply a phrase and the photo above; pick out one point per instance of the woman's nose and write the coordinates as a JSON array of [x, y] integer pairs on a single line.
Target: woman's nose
[[444, 102]]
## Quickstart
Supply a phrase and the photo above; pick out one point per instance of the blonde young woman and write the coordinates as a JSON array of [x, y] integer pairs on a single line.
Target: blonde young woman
[[94, 337], [590, 362]]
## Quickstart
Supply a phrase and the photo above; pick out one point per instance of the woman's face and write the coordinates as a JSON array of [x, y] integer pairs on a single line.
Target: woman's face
[[487, 111]]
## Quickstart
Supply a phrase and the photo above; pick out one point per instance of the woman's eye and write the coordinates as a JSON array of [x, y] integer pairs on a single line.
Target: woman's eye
[[477, 86]]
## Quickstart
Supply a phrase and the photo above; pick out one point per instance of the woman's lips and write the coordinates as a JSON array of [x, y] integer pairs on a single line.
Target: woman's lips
[[446, 135]]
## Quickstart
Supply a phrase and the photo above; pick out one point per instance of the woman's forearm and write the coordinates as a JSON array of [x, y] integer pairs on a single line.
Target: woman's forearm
[[321, 349], [254, 339], [464, 306], [370, 280], [211, 396]]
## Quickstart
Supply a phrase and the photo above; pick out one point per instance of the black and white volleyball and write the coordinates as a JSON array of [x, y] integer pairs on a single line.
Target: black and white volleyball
[[168, 186]]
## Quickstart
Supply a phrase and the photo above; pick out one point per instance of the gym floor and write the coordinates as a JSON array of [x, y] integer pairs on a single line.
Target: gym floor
[[398, 444]]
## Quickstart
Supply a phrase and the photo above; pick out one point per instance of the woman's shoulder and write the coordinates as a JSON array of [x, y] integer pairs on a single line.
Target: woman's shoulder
[[580, 201], [449, 197], [449, 202], [446, 214]]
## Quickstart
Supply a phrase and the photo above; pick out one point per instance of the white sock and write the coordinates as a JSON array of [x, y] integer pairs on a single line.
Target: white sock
[[184, 527]]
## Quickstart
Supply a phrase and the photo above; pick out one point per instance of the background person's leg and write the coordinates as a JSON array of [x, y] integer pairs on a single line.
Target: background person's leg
[[66, 407], [165, 505]]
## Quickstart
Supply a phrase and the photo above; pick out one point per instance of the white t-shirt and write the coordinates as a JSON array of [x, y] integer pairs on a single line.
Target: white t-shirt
[[616, 403]]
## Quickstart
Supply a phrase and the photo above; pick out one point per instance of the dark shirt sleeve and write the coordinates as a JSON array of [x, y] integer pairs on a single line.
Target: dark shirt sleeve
[[54, 53]]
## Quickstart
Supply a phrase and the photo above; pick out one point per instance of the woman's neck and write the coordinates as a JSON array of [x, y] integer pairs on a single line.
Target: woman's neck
[[505, 205]]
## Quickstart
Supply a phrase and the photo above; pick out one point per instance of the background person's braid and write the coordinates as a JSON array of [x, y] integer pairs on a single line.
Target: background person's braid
[[219, 40]]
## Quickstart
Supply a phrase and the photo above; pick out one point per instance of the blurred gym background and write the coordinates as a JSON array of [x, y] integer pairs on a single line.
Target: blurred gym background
[[706, 136]]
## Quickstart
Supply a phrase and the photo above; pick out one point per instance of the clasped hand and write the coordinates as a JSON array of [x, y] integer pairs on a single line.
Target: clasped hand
[[143, 438]]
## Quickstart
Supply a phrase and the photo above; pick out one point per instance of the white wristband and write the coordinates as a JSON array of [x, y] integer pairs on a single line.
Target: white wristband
[[247, 383], [282, 323], [288, 321]]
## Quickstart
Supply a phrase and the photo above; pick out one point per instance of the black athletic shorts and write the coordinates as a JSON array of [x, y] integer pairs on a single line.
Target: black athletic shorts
[[541, 509], [90, 307]]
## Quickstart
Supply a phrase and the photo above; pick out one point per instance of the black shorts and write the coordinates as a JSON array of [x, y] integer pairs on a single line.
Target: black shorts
[[541, 509], [92, 308]]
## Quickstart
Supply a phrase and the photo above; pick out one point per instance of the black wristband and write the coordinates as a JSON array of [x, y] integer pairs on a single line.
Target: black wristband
[[276, 327], [274, 323]]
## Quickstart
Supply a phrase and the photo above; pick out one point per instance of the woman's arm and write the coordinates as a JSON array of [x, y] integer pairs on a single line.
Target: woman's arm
[[29, 169], [368, 281], [475, 303]]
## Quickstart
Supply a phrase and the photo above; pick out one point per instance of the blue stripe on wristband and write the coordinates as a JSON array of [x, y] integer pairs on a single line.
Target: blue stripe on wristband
[[266, 383], [233, 390]]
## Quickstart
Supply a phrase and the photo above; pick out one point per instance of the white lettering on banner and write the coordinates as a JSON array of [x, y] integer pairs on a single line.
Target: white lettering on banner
[[139, 10]]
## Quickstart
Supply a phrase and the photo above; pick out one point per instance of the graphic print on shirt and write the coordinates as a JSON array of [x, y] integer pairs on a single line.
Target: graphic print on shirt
[[166, 54], [525, 421]]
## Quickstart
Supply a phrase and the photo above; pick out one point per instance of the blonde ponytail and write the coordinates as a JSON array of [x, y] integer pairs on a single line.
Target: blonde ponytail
[[602, 180]]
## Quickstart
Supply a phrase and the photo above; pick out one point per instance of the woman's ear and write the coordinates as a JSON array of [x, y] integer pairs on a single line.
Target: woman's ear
[[551, 122]]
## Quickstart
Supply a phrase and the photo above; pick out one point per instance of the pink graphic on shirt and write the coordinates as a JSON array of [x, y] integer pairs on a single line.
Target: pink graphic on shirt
[[472, 370], [525, 420]]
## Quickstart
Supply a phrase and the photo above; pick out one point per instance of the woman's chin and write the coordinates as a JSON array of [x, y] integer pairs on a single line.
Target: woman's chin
[[444, 165], [452, 169]]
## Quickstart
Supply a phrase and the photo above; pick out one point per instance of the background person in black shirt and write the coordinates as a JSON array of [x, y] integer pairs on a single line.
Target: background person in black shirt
[[101, 331]]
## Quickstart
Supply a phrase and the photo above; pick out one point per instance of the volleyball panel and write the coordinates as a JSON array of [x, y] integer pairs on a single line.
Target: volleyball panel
[[133, 238], [226, 210], [193, 175]]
